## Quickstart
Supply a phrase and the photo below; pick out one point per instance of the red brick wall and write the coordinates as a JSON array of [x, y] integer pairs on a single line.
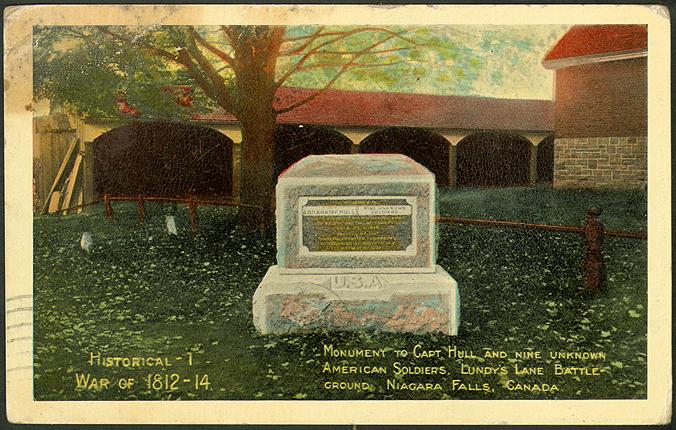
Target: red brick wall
[[602, 100]]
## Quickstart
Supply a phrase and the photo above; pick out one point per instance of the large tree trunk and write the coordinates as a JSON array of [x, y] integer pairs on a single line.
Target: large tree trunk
[[256, 50], [257, 189]]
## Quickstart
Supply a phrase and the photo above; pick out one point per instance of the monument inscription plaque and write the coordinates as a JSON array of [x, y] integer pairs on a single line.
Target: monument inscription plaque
[[349, 225], [356, 249]]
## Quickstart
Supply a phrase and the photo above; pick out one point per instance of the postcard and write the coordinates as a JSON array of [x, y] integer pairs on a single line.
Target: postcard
[[337, 214]]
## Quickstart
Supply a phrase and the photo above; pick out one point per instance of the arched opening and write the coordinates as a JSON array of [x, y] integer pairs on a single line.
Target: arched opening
[[295, 142], [163, 159], [545, 167], [423, 146], [493, 159]]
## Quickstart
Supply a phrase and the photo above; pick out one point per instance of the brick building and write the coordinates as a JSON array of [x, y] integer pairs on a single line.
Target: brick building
[[600, 113]]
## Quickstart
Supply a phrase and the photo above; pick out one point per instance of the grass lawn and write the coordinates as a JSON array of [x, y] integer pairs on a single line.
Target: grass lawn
[[143, 293], [621, 210]]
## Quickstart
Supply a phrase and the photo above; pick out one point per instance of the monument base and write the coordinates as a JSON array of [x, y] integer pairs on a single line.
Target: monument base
[[392, 302]]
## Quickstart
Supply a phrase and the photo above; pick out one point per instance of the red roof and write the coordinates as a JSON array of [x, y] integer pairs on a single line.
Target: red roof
[[583, 40], [379, 109]]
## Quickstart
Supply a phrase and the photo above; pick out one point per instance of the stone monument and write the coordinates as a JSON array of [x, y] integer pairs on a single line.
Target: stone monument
[[356, 249]]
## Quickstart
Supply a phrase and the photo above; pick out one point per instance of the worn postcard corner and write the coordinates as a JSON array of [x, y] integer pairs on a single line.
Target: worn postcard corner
[[345, 214]]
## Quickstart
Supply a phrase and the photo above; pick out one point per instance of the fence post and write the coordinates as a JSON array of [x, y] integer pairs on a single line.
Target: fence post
[[141, 209], [192, 212], [593, 256], [107, 207]]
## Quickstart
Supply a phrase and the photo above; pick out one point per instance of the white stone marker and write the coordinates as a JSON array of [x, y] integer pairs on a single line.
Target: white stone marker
[[170, 220], [356, 249], [87, 241]]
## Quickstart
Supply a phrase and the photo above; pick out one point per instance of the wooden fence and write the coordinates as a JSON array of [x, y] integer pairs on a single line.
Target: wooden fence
[[559, 228], [52, 143], [593, 232]]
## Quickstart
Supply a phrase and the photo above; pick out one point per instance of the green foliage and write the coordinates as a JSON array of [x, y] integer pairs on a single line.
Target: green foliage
[[81, 67], [142, 292]]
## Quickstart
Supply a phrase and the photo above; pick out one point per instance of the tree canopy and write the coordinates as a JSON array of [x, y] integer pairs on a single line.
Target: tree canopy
[[92, 67]]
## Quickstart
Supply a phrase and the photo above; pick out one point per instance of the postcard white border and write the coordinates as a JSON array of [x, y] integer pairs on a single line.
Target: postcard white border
[[21, 407]]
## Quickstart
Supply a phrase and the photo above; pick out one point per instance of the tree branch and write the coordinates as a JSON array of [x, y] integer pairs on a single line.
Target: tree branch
[[344, 68], [309, 36], [381, 51], [340, 36], [340, 33], [297, 50], [307, 55], [230, 36], [217, 31], [213, 49], [352, 66], [220, 91], [275, 35], [194, 72]]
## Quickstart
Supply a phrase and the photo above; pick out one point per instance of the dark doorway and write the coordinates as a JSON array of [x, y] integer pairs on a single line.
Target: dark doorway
[[493, 159], [163, 159], [425, 147], [545, 168], [295, 142]]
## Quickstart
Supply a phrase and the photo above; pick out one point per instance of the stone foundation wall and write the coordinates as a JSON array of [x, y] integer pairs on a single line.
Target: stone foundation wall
[[600, 162]]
